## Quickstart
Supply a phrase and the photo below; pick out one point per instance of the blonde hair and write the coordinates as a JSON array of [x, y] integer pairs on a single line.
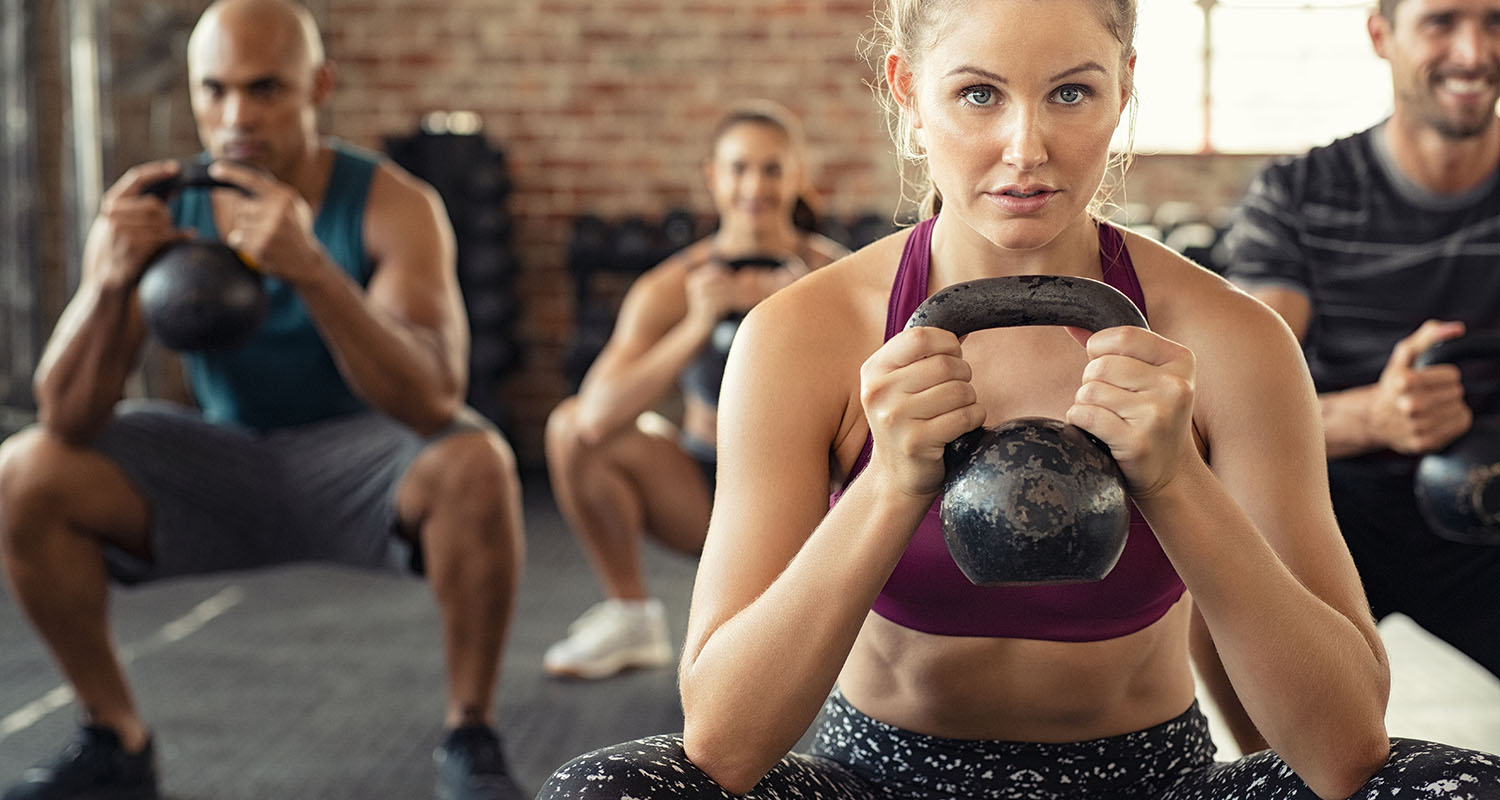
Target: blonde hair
[[911, 27]]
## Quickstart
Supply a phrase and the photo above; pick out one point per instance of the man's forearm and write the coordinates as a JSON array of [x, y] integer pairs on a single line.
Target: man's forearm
[[84, 367], [1346, 422]]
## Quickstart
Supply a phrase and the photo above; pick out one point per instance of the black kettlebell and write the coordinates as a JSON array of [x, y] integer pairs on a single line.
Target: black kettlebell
[[1458, 488], [1033, 500], [705, 372], [198, 295]]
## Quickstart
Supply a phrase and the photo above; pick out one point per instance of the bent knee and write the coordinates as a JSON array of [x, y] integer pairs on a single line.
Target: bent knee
[[34, 464], [43, 479], [1460, 773], [478, 465], [650, 767], [563, 435]]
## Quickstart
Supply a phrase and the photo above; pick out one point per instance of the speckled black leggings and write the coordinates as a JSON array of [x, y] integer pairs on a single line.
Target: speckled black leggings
[[854, 756]]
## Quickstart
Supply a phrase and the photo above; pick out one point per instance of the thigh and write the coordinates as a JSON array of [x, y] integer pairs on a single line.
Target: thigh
[[205, 487], [339, 481], [907, 764], [44, 480], [658, 768], [1416, 769], [669, 483]]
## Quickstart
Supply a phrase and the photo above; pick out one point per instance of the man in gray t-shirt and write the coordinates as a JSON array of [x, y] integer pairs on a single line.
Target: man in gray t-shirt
[[1373, 249]]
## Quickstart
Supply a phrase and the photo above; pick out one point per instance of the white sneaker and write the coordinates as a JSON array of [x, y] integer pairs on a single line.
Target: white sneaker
[[612, 636]]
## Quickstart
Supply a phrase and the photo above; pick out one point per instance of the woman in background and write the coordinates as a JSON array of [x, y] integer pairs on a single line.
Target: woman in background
[[621, 471]]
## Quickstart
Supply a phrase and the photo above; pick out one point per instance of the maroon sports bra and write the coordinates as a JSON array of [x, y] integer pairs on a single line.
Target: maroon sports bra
[[926, 591]]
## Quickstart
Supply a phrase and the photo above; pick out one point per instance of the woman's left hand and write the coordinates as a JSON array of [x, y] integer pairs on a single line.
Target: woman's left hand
[[1137, 397]]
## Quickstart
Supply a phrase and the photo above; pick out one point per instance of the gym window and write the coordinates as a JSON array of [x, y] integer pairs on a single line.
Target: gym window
[[1282, 75]]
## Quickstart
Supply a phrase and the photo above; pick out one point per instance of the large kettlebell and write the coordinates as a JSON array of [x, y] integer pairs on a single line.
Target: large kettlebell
[[1458, 488], [1032, 500], [705, 372], [198, 295]]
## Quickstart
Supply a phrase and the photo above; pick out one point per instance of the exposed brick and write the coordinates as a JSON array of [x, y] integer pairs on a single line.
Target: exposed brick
[[601, 107]]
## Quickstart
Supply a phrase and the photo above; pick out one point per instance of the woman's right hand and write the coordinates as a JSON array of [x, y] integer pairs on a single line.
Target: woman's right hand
[[131, 226], [917, 397], [710, 293]]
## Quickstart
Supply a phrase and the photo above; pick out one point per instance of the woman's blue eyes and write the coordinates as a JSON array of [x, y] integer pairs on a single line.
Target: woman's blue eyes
[[1069, 95], [977, 95]]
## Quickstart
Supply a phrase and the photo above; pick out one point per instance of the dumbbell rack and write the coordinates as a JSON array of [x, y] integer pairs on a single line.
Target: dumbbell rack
[[450, 151]]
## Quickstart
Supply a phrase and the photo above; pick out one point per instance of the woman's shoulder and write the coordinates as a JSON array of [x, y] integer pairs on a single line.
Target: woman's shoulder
[[838, 302], [1182, 296], [850, 276], [1237, 341]]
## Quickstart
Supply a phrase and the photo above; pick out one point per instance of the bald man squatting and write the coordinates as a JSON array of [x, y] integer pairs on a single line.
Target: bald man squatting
[[337, 434]]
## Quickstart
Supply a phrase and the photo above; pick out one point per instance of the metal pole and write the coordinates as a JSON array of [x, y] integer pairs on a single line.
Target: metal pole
[[1207, 145], [20, 281], [81, 43]]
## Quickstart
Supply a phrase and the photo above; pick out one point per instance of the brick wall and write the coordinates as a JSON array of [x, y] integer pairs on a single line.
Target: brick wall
[[602, 107], [606, 107]]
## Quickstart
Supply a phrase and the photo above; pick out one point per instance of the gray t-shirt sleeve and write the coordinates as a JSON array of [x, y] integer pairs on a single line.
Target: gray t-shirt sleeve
[[1262, 246]]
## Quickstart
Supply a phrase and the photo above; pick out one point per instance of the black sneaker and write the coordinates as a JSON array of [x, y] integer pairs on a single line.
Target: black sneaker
[[92, 767], [470, 766]]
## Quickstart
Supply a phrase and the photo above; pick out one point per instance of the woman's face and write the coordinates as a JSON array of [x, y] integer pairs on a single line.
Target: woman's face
[[1015, 104], [753, 176]]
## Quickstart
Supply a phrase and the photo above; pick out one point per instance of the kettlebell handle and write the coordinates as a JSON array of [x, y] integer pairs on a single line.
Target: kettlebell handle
[[1017, 300], [1483, 344], [1033, 500], [190, 175], [753, 262]]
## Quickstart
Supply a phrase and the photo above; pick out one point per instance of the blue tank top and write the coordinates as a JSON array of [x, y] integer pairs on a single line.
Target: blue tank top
[[928, 593], [285, 375]]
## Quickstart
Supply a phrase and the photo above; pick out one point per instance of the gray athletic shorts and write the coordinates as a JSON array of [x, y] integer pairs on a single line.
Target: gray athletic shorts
[[229, 498]]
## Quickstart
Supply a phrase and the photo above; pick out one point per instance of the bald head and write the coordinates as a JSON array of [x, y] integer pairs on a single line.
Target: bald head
[[280, 26], [257, 81]]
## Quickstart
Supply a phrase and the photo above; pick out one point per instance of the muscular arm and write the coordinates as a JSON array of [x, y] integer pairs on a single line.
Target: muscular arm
[[1406, 410], [782, 590], [785, 584], [402, 343], [654, 340], [1346, 414], [1257, 545], [91, 353], [97, 341]]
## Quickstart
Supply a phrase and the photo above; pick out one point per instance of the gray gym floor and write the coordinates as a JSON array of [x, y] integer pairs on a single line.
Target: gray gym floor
[[320, 682]]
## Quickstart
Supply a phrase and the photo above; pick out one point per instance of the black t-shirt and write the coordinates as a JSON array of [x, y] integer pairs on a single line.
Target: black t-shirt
[[1374, 253]]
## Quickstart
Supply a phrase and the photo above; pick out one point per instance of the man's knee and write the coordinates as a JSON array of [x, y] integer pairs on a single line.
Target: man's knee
[[472, 480], [478, 466], [33, 466]]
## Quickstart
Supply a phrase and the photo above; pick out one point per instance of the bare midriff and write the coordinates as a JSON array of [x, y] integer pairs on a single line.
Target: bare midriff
[[1028, 690]]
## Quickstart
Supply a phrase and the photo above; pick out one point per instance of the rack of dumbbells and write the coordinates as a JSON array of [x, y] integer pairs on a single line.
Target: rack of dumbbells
[[604, 256], [450, 152]]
